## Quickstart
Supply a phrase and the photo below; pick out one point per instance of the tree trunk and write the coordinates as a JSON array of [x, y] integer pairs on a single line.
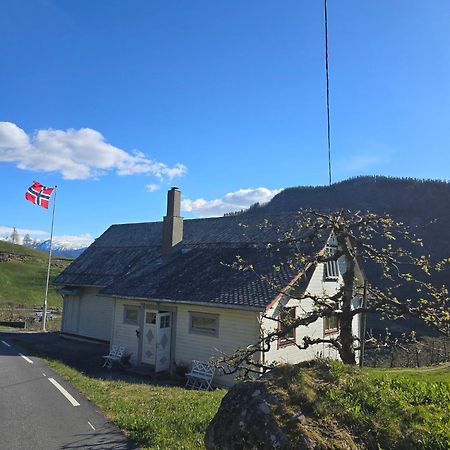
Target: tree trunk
[[417, 356], [346, 338]]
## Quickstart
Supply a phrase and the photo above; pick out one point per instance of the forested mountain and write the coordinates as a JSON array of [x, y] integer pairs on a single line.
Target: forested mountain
[[422, 204], [410, 196]]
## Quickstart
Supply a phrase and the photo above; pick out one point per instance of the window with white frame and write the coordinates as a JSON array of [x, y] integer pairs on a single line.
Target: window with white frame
[[165, 322], [331, 323], [150, 318], [130, 315], [204, 323]]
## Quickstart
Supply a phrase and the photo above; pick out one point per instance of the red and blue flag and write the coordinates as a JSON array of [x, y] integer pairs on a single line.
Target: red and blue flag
[[39, 194]]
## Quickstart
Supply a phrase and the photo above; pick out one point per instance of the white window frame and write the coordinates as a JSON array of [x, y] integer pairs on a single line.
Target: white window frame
[[326, 325], [204, 332], [291, 313], [152, 315], [127, 321], [327, 320]]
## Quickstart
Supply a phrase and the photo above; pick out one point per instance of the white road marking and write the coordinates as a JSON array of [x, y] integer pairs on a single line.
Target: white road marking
[[5, 343], [28, 360], [92, 426], [63, 392], [44, 374]]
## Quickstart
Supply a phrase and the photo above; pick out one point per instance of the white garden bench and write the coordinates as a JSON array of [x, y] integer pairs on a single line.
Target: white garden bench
[[200, 376], [116, 354]]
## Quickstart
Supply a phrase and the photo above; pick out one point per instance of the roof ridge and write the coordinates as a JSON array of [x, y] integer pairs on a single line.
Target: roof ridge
[[199, 219]]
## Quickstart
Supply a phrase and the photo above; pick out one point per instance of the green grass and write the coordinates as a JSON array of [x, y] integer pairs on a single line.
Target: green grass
[[428, 374], [156, 417], [385, 409], [390, 409], [22, 280]]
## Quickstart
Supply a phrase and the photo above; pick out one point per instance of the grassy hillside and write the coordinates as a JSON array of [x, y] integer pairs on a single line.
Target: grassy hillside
[[23, 274]]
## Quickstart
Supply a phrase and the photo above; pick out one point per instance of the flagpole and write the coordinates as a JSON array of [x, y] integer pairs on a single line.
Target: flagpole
[[44, 313]]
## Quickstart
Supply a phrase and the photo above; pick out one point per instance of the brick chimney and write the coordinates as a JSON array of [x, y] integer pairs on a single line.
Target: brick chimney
[[172, 222]]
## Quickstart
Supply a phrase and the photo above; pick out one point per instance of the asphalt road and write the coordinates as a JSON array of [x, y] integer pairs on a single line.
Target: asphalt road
[[39, 410]]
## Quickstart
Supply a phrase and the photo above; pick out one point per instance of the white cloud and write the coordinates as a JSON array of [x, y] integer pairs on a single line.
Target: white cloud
[[76, 154], [5, 230], [152, 187], [11, 136], [233, 201]]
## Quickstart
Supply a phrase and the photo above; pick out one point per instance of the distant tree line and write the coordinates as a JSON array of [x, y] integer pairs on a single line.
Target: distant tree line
[[14, 238], [407, 351]]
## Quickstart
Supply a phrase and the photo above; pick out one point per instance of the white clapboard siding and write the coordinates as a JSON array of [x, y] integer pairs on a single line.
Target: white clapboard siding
[[95, 315], [88, 315], [125, 334], [291, 354], [237, 329], [71, 307]]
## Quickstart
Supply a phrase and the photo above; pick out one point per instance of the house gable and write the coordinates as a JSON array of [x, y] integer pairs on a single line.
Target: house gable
[[313, 281]]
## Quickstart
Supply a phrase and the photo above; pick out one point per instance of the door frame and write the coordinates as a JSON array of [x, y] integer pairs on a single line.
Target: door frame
[[158, 328], [158, 307], [145, 310]]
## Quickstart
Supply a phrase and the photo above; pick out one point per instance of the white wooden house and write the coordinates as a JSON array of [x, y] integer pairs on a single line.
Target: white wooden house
[[167, 292]]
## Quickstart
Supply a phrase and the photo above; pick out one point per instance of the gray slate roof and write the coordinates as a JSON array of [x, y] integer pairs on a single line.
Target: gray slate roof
[[216, 230], [122, 248], [100, 266], [207, 275], [126, 261]]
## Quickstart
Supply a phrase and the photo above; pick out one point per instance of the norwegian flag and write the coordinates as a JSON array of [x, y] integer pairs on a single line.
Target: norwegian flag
[[39, 194]]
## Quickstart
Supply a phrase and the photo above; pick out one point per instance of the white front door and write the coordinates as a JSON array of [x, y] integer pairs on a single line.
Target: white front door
[[149, 337], [163, 334]]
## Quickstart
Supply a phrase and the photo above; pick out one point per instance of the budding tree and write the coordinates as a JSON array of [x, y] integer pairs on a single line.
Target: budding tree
[[27, 241], [400, 286], [14, 238]]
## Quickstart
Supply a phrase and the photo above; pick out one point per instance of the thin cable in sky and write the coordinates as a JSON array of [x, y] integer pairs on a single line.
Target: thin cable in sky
[[328, 92]]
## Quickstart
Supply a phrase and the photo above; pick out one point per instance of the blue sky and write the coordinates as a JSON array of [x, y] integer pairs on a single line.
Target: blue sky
[[116, 101]]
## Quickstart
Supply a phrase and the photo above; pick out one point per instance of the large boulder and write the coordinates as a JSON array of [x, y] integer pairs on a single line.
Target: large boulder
[[246, 420], [257, 415]]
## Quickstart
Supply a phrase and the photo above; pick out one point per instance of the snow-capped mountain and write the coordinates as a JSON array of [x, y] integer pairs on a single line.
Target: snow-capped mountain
[[69, 246], [61, 248]]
